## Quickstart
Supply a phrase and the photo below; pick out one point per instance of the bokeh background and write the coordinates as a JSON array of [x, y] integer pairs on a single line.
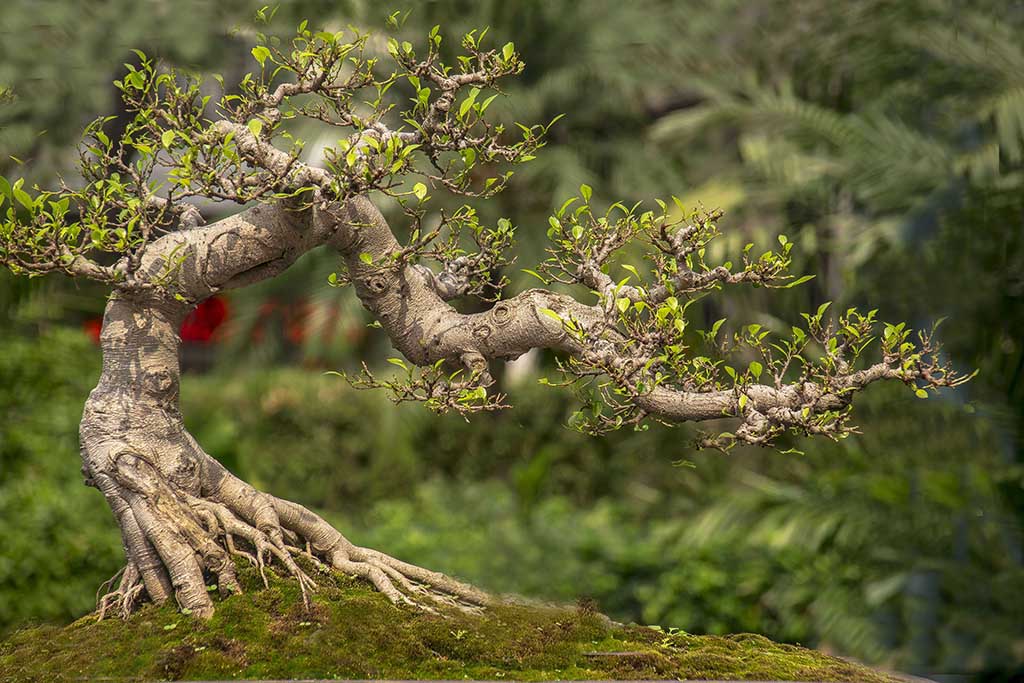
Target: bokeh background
[[885, 139]]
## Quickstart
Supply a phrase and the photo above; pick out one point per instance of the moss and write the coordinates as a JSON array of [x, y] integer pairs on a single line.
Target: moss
[[353, 632]]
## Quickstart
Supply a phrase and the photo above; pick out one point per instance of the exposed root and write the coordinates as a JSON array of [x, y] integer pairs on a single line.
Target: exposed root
[[401, 582], [126, 597], [223, 522], [418, 582], [104, 588], [198, 535]]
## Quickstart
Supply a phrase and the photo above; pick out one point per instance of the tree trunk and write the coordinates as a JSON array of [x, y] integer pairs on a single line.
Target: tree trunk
[[182, 515]]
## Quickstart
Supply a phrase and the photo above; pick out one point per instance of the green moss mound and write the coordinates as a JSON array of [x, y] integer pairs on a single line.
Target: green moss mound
[[353, 632]]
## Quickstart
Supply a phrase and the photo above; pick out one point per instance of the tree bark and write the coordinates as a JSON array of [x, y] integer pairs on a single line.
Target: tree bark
[[182, 515]]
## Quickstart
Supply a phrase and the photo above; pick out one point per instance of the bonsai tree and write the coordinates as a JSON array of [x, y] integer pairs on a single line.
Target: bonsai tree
[[623, 281]]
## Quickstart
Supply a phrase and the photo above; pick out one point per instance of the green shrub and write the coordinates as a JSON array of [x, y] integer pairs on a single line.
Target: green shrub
[[59, 542]]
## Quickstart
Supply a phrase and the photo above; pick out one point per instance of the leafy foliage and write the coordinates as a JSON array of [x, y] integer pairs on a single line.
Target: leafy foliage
[[124, 205]]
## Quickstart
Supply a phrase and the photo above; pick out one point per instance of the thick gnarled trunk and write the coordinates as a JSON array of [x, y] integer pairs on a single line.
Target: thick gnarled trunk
[[182, 515], [131, 430]]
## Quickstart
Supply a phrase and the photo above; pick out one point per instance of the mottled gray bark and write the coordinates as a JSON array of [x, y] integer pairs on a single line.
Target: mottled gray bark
[[180, 512]]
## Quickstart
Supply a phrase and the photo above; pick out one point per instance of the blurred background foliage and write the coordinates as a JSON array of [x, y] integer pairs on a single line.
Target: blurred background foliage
[[885, 139]]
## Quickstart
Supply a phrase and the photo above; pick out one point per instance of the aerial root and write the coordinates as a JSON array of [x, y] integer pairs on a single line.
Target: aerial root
[[125, 597]]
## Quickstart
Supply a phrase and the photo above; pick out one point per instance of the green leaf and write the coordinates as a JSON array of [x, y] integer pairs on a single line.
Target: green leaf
[[260, 52], [756, 369], [551, 314], [137, 79], [255, 127], [399, 362], [420, 190], [508, 51], [23, 197], [622, 304], [468, 102], [487, 103], [800, 281], [167, 138], [535, 274], [921, 393], [366, 258], [586, 191]]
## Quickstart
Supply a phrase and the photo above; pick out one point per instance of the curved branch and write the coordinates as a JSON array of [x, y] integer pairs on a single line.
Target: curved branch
[[411, 309]]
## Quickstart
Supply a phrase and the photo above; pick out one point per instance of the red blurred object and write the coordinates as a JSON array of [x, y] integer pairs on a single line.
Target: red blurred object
[[92, 328], [267, 309], [199, 326], [204, 320], [297, 320]]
